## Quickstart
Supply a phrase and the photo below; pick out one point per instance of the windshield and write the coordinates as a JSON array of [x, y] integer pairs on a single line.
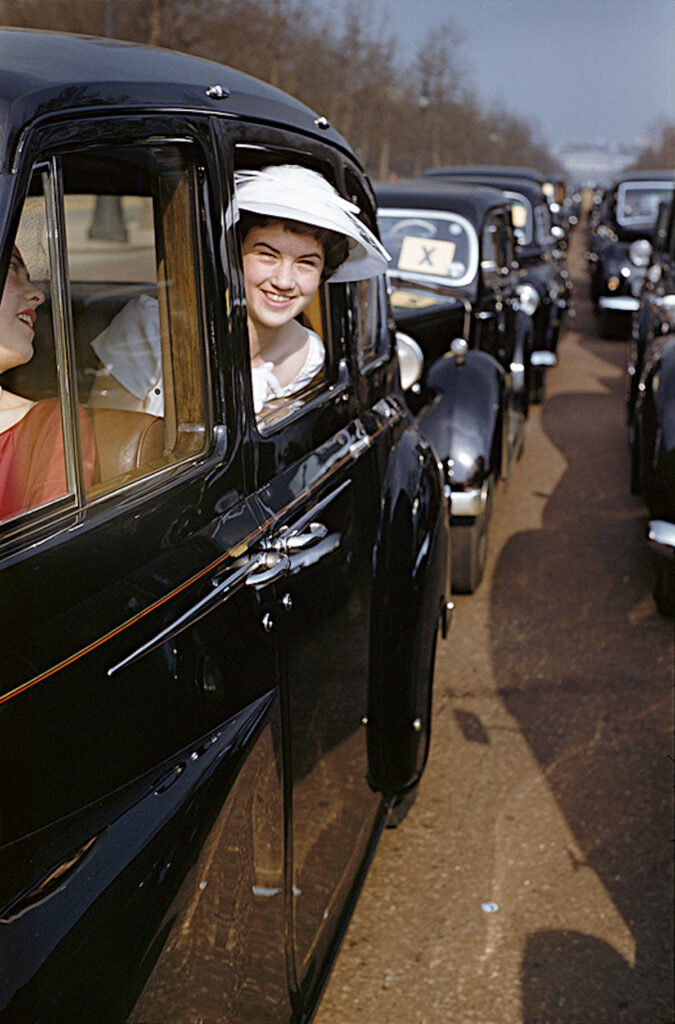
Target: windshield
[[637, 202], [430, 245]]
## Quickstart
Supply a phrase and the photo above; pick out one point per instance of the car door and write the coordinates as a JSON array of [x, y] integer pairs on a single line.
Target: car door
[[140, 714], [317, 489]]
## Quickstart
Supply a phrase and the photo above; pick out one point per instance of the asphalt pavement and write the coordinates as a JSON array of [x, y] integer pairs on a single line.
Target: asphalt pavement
[[532, 880]]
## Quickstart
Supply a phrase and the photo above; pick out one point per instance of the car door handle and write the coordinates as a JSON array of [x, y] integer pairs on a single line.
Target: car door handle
[[290, 540], [271, 566]]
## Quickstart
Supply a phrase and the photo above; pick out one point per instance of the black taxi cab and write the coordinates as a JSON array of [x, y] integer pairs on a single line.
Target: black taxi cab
[[218, 632]]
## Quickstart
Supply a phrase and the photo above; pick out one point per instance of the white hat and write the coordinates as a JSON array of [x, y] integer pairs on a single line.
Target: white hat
[[291, 192]]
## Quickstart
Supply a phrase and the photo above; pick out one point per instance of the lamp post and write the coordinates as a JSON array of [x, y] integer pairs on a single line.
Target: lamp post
[[107, 224], [423, 104]]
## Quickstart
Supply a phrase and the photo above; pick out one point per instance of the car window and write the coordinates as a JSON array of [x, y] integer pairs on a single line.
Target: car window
[[273, 403], [430, 245], [110, 236], [637, 203]]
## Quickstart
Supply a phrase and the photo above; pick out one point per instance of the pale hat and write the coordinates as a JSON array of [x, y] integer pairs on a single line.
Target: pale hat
[[291, 192]]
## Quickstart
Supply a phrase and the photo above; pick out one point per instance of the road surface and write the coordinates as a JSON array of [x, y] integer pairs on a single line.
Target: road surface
[[532, 879]]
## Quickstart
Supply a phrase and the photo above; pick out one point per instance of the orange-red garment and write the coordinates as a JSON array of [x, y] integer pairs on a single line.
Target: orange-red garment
[[32, 465]]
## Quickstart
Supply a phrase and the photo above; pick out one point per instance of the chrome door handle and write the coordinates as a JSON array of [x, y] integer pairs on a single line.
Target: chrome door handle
[[268, 567], [292, 540]]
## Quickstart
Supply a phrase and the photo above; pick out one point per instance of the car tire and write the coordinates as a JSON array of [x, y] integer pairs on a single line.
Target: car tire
[[635, 472], [469, 541], [664, 585], [612, 326], [538, 385]]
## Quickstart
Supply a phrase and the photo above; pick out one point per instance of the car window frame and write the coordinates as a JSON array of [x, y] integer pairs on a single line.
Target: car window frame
[[284, 147], [42, 145]]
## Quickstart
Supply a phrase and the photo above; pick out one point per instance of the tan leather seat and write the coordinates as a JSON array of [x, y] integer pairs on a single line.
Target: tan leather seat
[[126, 442]]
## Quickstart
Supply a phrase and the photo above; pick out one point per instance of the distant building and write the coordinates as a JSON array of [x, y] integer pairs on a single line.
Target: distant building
[[588, 165]]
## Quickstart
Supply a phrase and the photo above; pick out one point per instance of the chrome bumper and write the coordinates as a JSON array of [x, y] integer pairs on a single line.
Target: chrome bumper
[[468, 503], [624, 303], [661, 536]]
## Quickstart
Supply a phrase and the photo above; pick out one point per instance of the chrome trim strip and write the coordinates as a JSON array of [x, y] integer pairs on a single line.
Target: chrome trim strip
[[622, 302]]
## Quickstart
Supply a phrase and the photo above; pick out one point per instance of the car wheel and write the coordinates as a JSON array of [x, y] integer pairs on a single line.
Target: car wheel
[[664, 585], [469, 540], [612, 326], [538, 385], [635, 474]]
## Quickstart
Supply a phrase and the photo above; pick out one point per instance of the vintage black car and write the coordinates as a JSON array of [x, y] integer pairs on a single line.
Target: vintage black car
[[621, 232], [552, 185], [453, 276], [650, 397], [540, 255], [217, 642]]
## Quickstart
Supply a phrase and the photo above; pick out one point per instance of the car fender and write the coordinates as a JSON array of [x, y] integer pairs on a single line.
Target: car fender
[[464, 420], [411, 586]]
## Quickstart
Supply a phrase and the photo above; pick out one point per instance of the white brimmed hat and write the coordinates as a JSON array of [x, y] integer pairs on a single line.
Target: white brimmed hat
[[291, 192]]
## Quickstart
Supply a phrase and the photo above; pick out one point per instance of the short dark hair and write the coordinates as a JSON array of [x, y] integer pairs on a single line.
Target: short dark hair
[[335, 246]]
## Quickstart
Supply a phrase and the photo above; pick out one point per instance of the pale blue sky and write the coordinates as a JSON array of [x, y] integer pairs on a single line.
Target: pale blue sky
[[584, 70]]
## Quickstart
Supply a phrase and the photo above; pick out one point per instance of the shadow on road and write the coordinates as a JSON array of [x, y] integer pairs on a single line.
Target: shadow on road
[[587, 672]]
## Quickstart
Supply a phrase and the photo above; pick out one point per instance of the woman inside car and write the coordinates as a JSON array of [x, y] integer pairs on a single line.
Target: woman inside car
[[296, 232], [32, 464]]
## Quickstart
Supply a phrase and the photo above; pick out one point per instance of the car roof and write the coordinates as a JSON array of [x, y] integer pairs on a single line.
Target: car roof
[[659, 175], [486, 170], [531, 190], [470, 201], [45, 73]]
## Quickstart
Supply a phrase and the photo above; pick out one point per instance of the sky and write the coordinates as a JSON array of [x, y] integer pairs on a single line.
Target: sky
[[580, 71]]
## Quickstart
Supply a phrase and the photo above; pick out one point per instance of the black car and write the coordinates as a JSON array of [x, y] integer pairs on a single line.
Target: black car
[[650, 396], [621, 233], [552, 185], [540, 253], [453, 276], [218, 632]]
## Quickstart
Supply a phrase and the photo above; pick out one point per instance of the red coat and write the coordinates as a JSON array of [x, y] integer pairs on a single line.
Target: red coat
[[32, 465]]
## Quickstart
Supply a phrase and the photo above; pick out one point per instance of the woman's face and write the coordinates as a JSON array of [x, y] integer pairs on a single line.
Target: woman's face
[[18, 304], [282, 272]]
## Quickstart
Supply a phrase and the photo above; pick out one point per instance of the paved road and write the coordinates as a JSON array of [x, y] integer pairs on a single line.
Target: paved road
[[548, 795]]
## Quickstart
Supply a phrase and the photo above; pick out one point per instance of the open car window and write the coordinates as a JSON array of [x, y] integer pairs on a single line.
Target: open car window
[[111, 237], [274, 401]]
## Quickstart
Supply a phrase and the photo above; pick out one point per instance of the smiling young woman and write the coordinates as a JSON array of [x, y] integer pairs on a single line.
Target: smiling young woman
[[296, 232]]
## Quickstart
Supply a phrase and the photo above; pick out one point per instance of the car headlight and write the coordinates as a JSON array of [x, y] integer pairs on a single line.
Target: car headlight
[[528, 298], [410, 360], [640, 252]]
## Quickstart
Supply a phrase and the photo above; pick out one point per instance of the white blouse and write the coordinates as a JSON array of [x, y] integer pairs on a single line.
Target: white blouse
[[266, 386]]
